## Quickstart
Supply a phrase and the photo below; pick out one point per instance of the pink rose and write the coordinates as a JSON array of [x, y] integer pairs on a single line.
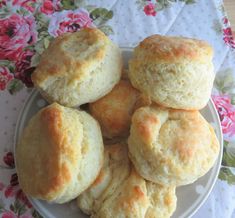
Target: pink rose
[[225, 20], [229, 41], [226, 113], [22, 197], [50, 6], [14, 180], [23, 69], [227, 31], [9, 159], [16, 32], [5, 77], [3, 3], [9, 191], [8, 214], [149, 9], [12, 189], [26, 4], [69, 21]]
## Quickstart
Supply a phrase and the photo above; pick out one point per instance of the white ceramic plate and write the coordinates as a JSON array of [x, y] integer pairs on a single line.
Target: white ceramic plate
[[189, 197]]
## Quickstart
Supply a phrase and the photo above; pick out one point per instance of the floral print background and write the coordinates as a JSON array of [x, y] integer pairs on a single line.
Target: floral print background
[[28, 26]]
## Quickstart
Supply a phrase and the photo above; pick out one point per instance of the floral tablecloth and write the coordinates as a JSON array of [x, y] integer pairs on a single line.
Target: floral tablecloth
[[26, 28]]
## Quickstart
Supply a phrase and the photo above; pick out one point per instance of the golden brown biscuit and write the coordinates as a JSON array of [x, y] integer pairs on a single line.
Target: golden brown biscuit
[[114, 110], [59, 154], [78, 68], [120, 192], [115, 170], [162, 200], [171, 147], [175, 72]]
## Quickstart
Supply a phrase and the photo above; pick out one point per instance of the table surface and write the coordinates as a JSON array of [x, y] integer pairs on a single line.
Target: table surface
[[230, 8]]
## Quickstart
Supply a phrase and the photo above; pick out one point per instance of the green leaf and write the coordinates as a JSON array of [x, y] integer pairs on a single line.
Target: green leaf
[[35, 214], [43, 34], [225, 144], [17, 205], [23, 11], [46, 43], [217, 26], [228, 160], [79, 3], [4, 12], [225, 81], [101, 15], [14, 86], [229, 155], [232, 98], [42, 23], [227, 175], [141, 4], [5, 63], [21, 210], [12, 208], [35, 60], [29, 47], [11, 68], [190, 2], [90, 8], [161, 4], [106, 29], [39, 47], [159, 7], [221, 8], [68, 4]]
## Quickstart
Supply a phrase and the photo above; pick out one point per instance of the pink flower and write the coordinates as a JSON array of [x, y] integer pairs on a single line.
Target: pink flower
[[26, 4], [9, 159], [2, 3], [225, 20], [227, 31], [50, 6], [22, 197], [9, 191], [226, 113], [69, 21], [149, 9], [8, 214], [23, 69], [16, 32], [12, 189], [14, 180], [5, 77], [229, 41]]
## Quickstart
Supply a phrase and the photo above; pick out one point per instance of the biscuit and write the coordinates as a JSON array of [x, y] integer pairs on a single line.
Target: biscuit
[[115, 170], [120, 192], [175, 72], [78, 68], [114, 111], [162, 200], [59, 154], [171, 147]]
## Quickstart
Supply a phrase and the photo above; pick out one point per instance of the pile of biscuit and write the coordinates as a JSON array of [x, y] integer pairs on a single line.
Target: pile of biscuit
[[147, 117]]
